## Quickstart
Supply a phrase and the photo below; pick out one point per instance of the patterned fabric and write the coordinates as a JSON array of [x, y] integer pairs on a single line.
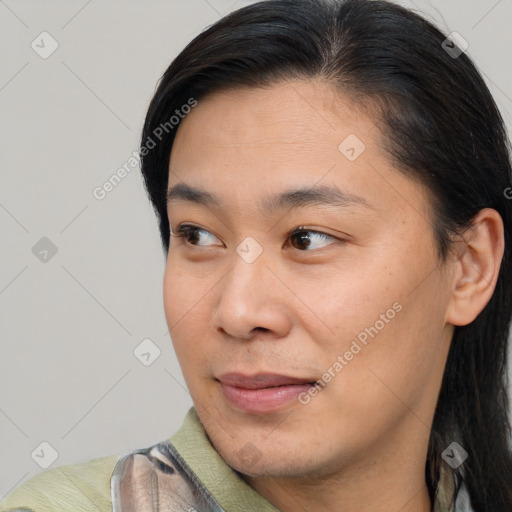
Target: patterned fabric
[[158, 479]]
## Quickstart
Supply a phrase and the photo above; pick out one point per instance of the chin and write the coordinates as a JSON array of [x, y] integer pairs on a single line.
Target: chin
[[281, 465], [276, 459]]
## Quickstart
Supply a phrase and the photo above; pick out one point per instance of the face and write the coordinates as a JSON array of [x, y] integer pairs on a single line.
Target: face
[[311, 330]]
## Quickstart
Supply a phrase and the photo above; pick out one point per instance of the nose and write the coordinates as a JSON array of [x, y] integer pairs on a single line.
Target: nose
[[252, 299]]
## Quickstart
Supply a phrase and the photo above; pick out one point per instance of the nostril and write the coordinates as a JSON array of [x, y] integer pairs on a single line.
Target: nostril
[[261, 329]]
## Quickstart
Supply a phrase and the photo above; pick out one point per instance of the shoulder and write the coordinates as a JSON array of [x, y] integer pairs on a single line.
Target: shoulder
[[73, 488]]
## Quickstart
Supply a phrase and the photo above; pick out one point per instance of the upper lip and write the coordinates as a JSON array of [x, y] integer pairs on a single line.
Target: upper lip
[[261, 380]]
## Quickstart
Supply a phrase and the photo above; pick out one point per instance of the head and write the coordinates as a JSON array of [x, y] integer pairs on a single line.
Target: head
[[389, 301]]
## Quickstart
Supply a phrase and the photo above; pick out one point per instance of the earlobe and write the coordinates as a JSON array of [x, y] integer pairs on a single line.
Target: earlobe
[[477, 267]]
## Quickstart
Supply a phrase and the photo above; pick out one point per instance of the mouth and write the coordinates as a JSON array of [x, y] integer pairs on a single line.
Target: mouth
[[263, 392]]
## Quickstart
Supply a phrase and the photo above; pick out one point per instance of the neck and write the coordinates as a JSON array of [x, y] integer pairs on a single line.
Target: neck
[[392, 478]]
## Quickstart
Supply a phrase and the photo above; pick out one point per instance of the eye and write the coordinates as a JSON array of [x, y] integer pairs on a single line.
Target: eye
[[190, 233], [301, 238], [310, 239]]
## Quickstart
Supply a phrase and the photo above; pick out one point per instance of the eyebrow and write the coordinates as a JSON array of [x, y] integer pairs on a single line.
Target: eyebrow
[[291, 198]]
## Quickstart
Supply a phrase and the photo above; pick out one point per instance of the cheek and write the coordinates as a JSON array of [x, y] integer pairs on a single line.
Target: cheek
[[185, 293], [348, 298], [388, 331], [185, 312], [393, 361]]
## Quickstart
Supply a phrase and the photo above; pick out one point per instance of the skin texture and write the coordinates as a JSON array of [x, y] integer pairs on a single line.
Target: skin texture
[[361, 442]]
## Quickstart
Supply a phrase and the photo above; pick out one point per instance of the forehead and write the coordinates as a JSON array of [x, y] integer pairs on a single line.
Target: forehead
[[292, 128], [303, 112], [243, 143]]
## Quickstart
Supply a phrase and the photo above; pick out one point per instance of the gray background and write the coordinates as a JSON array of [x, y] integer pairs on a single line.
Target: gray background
[[68, 375]]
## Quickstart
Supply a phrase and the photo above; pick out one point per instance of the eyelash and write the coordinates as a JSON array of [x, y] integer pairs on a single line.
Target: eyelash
[[186, 229]]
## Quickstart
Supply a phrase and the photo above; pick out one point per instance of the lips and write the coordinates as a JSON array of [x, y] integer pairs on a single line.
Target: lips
[[264, 392], [261, 380]]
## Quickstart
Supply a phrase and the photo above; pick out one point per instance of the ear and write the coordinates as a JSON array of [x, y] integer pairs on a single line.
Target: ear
[[476, 267]]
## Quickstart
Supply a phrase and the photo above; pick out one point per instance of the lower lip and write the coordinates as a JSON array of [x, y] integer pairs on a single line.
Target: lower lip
[[265, 399]]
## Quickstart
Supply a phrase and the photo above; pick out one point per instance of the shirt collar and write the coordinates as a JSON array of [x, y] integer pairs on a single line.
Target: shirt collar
[[230, 491]]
